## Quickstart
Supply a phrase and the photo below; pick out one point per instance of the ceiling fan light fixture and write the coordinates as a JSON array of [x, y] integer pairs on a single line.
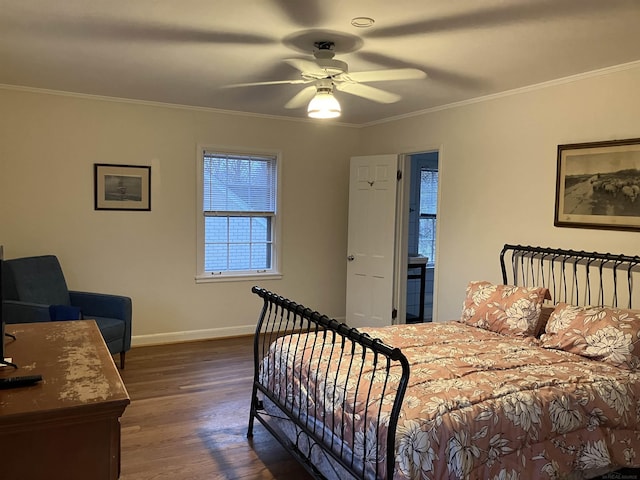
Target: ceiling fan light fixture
[[324, 105]]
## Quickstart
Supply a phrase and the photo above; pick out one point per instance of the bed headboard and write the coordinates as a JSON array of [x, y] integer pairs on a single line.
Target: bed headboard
[[574, 277]]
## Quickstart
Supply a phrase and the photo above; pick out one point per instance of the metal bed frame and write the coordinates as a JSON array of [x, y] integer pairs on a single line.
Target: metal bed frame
[[576, 277], [280, 316]]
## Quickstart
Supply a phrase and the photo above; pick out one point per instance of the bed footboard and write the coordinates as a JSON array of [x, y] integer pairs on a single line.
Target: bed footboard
[[340, 365]]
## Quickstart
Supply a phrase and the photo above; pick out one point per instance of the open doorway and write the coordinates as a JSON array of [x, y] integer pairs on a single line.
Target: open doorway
[[421, 246]]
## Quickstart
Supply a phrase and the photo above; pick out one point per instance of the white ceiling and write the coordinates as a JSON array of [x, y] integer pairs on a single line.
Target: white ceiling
[[186, 51]]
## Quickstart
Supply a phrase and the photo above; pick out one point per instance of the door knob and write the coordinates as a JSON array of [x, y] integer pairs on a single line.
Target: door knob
[[351, 258]]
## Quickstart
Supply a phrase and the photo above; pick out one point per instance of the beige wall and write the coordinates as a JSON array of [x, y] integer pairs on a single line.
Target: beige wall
[[48, 145], [498, 171], [498, 168]]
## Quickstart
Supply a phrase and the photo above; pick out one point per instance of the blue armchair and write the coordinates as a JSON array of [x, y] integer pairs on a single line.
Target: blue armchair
[[34, 290]]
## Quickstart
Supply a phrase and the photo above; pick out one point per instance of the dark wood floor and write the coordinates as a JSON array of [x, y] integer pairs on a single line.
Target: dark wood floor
[[188, 416]]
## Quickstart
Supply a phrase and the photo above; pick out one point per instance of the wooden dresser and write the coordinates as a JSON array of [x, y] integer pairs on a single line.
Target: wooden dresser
[[68, 426]]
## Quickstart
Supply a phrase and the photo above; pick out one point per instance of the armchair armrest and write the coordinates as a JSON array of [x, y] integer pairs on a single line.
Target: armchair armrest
[[15, 311], [104, 305]]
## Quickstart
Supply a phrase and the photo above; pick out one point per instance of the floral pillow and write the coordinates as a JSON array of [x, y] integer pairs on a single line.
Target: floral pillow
[[504, 309], [608, 334]]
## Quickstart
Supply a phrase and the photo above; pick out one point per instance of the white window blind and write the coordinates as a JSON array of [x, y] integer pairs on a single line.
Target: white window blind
[[234, 183]]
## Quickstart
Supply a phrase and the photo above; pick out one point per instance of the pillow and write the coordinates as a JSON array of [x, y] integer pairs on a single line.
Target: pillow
[[64, 312], [602, 333], [505, 309]]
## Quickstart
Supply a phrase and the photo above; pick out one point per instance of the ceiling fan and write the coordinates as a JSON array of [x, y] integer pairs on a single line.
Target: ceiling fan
[[327, 74]]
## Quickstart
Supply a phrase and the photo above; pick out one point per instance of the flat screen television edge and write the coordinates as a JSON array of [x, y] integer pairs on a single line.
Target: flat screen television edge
[[4, 362]]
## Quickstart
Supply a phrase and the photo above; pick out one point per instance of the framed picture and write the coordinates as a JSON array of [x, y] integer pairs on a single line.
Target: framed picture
[[598, 185], [122, 187]]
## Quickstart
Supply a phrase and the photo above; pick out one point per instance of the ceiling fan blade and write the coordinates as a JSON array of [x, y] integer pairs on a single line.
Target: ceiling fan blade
[[387, 75], [305, 14], [504, 13], [435, 74], [370, 93], [302, 98], [308, 67], [97, 28], [274, 82]]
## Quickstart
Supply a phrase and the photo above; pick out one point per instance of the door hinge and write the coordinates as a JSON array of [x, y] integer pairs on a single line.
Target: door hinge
[[399, 175], [394, 314]]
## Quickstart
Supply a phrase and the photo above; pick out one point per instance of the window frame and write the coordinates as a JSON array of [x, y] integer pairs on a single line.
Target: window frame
[[274, 272], [428, 216]]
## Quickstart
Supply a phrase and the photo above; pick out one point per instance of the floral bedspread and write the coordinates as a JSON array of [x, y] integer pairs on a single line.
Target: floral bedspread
[[479, 405]]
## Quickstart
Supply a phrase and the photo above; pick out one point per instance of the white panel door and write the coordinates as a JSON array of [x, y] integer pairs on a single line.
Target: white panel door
[[371, 243]]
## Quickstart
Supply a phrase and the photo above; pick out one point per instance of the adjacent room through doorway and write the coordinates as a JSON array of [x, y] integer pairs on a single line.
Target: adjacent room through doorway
[[423, 207]]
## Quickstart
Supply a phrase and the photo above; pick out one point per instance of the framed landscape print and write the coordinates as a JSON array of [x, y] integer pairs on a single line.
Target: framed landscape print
[[598, 185], [122, 187]]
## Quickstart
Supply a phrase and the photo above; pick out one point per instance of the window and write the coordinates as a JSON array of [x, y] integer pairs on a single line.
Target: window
[[238, 217], [428, 209]]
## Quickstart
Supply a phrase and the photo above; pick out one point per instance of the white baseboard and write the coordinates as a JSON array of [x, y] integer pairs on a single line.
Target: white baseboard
[[191, 335]]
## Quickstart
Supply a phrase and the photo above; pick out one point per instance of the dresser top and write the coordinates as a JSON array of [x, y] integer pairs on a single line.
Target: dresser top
[[77, 369]]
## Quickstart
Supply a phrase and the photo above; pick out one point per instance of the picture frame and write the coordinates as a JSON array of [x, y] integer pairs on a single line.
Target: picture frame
[[598, 185], [122, 187]]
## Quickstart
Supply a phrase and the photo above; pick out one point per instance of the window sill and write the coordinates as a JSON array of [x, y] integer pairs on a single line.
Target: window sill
[[237, 278]]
